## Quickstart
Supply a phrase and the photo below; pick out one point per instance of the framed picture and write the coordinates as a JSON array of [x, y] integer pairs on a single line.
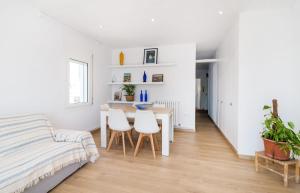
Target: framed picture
[[118, 96], [150, 55], [157, 78], [127, 77]]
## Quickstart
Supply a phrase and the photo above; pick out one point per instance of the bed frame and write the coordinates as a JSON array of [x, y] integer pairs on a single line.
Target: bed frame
[[50, 182]]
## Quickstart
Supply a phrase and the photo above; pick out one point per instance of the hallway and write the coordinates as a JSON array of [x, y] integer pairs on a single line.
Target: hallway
[[201, 162]]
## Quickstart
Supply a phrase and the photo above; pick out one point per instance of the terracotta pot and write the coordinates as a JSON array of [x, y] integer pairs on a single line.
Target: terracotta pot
[[273, 150], [129, 98]]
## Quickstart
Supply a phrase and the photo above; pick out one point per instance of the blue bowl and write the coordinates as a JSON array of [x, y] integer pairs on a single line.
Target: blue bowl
[[140, 107]]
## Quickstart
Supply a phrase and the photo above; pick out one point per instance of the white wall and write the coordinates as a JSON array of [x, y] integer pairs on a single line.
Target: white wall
[[34, 53], [213, 92], [227, 54], [261, 53], [267, 69], [179, 80]]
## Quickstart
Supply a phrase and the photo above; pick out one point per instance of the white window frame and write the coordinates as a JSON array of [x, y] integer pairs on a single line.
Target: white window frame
[[89, 84]]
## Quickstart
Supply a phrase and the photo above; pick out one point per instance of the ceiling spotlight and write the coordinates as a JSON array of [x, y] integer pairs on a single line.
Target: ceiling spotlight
[[101, 26], [153, 20], [220, 12]]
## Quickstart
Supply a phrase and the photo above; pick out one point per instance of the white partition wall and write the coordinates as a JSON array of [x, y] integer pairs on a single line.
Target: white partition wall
[[178, 66]]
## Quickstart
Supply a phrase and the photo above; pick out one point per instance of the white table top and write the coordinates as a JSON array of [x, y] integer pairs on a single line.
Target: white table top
[[130, 109]]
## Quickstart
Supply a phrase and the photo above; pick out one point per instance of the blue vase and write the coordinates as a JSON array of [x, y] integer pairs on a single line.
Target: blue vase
[[141, 96], [146, 96], [145, 77]]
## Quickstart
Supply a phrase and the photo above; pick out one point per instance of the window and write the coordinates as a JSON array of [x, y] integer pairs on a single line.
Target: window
[[78, 82]]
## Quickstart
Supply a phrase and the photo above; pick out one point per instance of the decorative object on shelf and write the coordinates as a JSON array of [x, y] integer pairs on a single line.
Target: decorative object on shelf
[[141, 96], [118, 96], [280, 140], [157, 78], [146, 96], [127, 77], [113, 79], [150, 55], [144, 77], [130, 91], [121, 57]]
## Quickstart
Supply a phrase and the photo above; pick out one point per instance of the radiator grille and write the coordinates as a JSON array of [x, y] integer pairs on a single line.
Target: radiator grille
[[172, 105]]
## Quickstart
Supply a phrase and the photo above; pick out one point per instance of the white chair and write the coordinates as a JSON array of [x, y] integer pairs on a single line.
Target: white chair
[[118, 124], [145, 123]]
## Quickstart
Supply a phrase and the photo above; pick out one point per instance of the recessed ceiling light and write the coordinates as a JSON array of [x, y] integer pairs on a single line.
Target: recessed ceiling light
[[101, 26], [153, 20], [220, 12]]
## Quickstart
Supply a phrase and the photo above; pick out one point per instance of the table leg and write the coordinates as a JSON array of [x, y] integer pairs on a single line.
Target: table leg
[[103, 129], [171, 129], [165, 136], [297, 171], [285, 176], [256, 162]]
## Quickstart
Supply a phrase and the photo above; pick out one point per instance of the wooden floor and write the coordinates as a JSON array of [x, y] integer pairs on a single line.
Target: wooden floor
[[199, 162]]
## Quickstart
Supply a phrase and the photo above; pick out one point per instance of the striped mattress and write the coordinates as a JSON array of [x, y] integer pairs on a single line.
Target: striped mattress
[[30, 150]]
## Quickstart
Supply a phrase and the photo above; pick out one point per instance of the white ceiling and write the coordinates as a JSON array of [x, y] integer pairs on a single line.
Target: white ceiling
[[127, 23]]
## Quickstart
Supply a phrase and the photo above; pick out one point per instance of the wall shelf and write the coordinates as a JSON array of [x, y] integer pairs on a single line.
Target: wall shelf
[[127, 102], [141, 65], [136, 83]]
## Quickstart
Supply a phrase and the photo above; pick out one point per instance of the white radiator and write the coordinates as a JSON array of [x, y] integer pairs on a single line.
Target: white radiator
[[172, 105]]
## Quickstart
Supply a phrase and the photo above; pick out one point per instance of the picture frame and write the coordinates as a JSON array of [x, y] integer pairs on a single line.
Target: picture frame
[[157, 78], [118, 96], [127, 77], [150, 56]]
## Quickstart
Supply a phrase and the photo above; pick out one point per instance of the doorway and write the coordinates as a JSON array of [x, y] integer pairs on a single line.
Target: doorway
[[206, 92]]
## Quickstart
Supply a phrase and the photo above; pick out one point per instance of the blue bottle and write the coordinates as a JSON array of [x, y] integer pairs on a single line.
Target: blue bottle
[[145, 77], [141, 96], [146, 96]]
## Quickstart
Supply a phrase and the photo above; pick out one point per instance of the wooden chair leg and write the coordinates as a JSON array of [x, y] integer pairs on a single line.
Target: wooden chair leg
[[256, 162], [130, 139], [113, 133], [297, 171], [123, 140], [152, 145], [117, 138], [142, 142], [285, 176], [138, 145], [156, 143]]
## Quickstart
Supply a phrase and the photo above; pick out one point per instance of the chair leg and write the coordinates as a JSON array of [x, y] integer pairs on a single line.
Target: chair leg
[[156, 143], [142, 143], [117, 138], [152, 145], [138, 145], [123, 140], [113, 133], [130, 139]]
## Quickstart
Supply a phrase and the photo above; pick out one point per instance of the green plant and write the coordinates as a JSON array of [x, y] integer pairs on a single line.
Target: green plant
[[275, 129], [129, 89]]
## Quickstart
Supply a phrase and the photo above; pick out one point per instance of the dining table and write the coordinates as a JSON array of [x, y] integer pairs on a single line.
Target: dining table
[[165, 115]]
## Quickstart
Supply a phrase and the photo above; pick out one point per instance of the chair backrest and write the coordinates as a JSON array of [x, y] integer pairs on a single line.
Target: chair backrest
[[117, 120], [156, 105], [145, 122]]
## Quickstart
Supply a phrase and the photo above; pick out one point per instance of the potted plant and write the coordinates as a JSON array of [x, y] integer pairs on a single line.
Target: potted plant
[[280, 140], [130, 91]]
